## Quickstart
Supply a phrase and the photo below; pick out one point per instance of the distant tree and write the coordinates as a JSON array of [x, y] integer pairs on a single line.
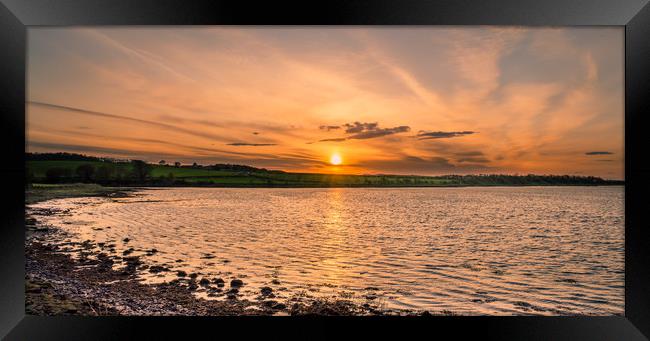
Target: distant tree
[[162, 162], [120, 173], [57, 174], [141, 170], [85, 172], [177, 164], [59, 157], [105, 172], [195, 165]]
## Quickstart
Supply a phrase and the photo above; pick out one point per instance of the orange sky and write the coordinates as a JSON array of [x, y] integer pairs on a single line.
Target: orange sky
[[438, 100]]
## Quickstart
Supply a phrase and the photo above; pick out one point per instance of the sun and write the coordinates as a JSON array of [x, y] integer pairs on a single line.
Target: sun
[[336, 159]]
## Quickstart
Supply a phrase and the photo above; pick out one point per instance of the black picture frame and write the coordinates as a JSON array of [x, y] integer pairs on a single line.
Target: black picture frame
[[17, 15]]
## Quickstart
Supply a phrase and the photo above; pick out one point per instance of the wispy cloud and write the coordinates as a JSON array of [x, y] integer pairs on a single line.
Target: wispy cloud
[[426, 135], [340, 139], [251, 144], [328, 128], [599, 153], [170, 127]]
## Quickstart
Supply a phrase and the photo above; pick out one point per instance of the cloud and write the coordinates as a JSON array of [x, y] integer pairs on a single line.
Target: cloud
[[328, 128], [362, 131], [427, 135], [599, 153], [369, 134], [358, 127], [473, 159], [251, 144], [470, 153], [126, 118], [333, 140]]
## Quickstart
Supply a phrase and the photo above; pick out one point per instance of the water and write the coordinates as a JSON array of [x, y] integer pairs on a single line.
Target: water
[[475, 250]]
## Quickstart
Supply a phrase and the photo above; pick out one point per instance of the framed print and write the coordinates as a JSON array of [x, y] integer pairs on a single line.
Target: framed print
[[179, 168]]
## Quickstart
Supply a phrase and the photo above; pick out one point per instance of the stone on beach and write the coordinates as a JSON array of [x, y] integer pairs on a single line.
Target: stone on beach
[[157, 268]]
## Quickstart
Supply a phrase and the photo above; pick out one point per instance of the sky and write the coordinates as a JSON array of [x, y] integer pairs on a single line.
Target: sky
[[384, 100]]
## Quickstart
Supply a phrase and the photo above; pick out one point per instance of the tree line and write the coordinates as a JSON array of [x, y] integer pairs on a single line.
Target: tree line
[[139, 172]]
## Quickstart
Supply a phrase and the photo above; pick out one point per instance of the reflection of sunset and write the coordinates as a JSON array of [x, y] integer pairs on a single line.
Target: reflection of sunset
[[398, 100]]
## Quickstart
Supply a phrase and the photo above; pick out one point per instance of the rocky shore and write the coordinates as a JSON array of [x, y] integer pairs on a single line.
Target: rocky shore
[[88, 278]]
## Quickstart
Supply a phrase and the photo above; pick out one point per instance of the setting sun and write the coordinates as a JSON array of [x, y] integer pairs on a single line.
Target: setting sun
[[336, 159]]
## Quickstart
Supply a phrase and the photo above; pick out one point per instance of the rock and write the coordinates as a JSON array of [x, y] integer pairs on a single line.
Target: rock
[[266, 291], [219, 282], [128, 252], [214, 290], [194, 275], [426, 313], [181, 273], [275, 305], [275, 281], [232, 293], [126, 240], [235, 283], [152, 251], [204, 282], [157, 268]]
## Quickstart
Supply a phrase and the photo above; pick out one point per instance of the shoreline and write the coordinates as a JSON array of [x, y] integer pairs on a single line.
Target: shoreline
[[98, 190]]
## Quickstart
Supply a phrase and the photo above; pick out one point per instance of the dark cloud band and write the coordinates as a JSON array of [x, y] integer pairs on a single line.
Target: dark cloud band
[[251, 144], [427, 135], [599, 153]]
